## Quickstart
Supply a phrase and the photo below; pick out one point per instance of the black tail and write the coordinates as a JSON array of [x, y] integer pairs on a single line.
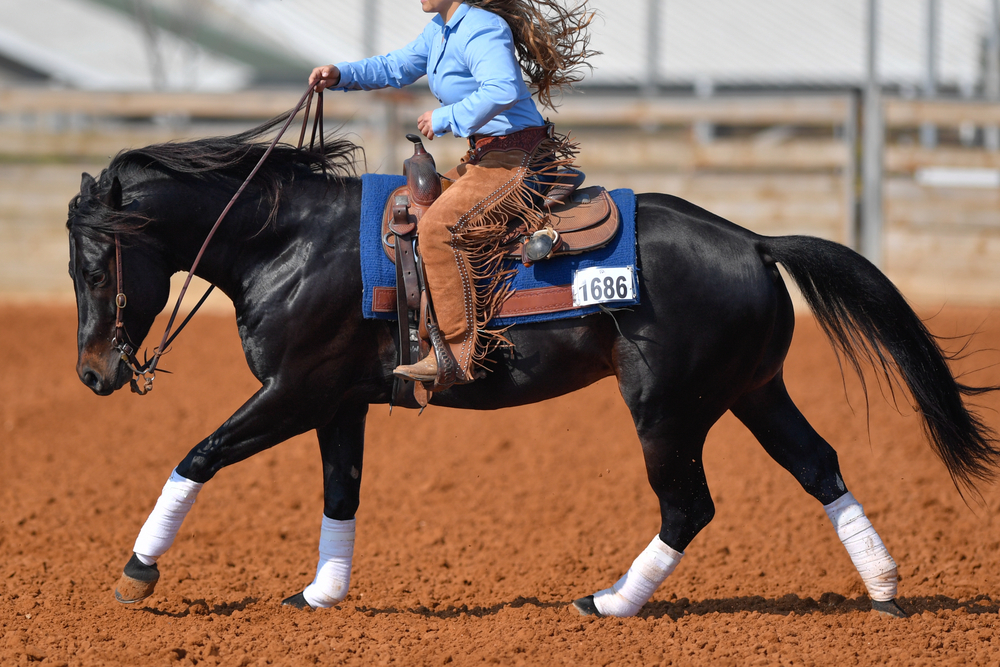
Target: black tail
[[868, 320]]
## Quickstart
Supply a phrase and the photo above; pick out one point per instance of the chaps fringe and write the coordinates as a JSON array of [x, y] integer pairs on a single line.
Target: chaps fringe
[[484, 239]]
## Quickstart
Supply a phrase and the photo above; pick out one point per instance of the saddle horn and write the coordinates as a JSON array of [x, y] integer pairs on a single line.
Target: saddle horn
[[421, 174]]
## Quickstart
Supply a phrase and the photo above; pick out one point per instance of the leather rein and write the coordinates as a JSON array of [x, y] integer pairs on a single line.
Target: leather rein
[[121, 341]]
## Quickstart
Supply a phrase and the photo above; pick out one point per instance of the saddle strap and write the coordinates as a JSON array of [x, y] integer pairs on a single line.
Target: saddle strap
[[404, 391], [408, 264]]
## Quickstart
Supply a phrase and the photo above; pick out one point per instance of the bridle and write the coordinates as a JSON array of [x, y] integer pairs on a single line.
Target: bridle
[[121, 342]]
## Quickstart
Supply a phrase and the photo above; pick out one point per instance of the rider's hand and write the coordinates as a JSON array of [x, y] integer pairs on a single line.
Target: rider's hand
[[325, 76], [425, 125]]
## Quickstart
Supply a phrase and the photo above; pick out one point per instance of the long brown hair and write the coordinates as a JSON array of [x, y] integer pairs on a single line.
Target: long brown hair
[[550, 40]]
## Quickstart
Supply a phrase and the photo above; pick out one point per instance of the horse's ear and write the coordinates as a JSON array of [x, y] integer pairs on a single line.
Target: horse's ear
[[114, 198], [87, 183]]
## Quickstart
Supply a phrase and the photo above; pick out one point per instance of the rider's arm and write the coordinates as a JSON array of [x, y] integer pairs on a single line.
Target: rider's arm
[[489, 55], [396, 69]]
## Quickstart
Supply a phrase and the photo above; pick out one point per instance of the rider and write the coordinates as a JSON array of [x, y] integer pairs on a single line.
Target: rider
[[473, 54]]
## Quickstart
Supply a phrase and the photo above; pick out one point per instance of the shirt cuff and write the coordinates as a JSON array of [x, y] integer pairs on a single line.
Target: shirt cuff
[[346, 77], [441, 120]]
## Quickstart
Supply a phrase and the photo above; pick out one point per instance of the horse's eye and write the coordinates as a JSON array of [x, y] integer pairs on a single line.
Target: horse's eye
[[97, 278]]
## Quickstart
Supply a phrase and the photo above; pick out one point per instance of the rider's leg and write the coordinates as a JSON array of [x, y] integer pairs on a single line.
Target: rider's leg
[[451, 273]]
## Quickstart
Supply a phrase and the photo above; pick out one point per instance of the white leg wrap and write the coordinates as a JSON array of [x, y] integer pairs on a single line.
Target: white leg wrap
[[165, 520], [333, 574], [634, 589], [869, 555]]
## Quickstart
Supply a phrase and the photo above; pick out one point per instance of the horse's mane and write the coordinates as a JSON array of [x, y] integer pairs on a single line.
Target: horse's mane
[[215, 159]]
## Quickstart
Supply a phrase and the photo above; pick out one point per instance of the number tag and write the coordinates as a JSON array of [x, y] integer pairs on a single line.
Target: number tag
[[601, 285]]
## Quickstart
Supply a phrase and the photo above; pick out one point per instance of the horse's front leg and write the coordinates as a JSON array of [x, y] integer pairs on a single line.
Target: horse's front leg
[[272, 415], [341, 444]]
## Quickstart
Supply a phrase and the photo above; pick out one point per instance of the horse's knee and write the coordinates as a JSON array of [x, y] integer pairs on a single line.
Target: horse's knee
[[341, 507], [209, 457], [342, 495], [197, 467]]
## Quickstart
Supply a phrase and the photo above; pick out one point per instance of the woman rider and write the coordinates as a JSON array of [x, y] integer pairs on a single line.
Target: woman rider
[[473, 54]]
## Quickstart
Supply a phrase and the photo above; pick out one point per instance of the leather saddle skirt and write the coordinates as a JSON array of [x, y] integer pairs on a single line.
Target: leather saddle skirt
[[587, 220]]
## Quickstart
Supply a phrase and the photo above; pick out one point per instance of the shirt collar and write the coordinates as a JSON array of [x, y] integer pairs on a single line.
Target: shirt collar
[[456, 18]]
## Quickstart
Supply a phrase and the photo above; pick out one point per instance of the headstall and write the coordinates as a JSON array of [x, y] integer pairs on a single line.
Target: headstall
[[121, 342]]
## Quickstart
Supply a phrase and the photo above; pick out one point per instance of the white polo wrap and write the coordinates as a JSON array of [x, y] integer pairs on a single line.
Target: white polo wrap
[[333, 574], [869, 555], [165, 520], [634, 589]]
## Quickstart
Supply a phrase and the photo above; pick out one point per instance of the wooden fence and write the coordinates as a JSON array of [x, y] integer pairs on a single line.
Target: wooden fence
[[777, 165]]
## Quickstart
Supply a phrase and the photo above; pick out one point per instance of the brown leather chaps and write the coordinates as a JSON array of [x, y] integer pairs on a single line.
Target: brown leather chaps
[[462, 235]]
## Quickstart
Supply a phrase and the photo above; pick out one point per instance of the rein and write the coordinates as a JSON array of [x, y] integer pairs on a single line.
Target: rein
[[121, 341]]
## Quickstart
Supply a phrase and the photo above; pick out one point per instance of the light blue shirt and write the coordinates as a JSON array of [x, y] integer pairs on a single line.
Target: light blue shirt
[[471, 69]]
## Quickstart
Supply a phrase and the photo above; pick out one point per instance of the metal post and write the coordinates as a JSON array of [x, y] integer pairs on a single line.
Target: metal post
[[390, 132], [704, 130], [369, 28], [157, 72], [991, 133], [851, 171], [928, 131], [652, 48], [387, 122], [873, 143]]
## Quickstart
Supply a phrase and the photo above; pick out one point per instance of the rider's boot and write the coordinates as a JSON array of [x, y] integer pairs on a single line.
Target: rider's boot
[[425, 370]]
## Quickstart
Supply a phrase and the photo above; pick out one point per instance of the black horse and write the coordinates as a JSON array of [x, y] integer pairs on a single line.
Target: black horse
[[711, 333]]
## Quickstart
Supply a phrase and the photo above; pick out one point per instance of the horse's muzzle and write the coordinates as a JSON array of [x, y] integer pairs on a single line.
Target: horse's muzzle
[[103, 378]]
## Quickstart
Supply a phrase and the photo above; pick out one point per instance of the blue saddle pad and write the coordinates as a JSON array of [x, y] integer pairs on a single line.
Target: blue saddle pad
[[377, 271]]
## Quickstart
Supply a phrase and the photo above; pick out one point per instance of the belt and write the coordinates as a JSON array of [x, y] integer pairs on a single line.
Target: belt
[[526, 140]]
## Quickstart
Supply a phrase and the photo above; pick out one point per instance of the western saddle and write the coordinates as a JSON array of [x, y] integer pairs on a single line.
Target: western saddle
[[575, 220]]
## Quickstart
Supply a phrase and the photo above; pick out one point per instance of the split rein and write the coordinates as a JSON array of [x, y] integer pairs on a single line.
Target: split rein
[[121, 342]]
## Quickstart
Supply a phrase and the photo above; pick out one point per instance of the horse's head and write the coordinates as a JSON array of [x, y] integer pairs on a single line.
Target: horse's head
[[149, 226], [114, 308]]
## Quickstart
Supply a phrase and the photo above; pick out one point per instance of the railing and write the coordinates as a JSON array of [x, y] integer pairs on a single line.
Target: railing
[[776, 164]]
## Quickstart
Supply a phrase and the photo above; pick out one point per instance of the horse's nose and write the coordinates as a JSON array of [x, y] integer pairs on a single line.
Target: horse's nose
[[91, 379]]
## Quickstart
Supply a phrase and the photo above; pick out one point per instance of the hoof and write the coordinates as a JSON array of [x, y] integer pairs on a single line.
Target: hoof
[[888, 609], [298, 601], [137, 582], [586, 607]]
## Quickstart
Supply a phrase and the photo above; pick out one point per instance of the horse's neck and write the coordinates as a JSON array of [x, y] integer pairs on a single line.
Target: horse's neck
[[186, 214], [310, 213]]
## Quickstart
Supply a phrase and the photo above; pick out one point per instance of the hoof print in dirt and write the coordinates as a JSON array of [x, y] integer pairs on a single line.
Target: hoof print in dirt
[[298, 601], [137, 582], [586, 606], [888, 609]]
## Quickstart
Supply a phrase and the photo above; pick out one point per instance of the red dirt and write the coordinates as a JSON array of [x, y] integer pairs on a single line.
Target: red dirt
[[476, 530]]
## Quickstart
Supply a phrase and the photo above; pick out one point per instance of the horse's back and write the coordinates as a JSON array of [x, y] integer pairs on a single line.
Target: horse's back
[[712, 312]]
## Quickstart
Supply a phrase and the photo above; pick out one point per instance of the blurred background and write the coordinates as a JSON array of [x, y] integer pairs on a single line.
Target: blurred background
[[874, 123]]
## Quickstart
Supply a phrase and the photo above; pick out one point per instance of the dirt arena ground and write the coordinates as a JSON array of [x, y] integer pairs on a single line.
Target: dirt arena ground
[[476, 531]]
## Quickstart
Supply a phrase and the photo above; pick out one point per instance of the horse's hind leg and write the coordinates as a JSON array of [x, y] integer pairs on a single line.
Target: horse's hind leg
[[672, 450], [786, 435]]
